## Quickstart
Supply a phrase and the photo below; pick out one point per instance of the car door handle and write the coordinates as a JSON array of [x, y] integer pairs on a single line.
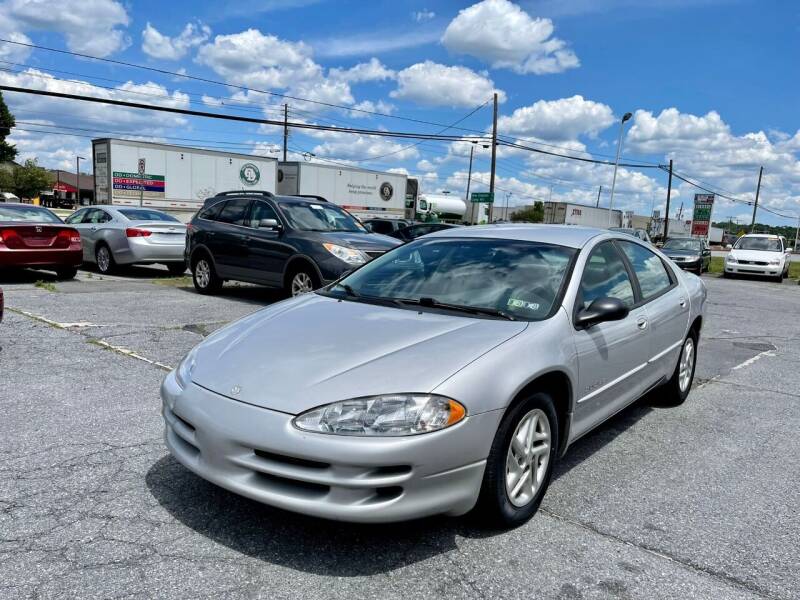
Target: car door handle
[[682, 302], [641, 323]]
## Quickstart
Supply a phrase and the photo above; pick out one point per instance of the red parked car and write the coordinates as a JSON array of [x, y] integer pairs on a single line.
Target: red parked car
[[33, 237]]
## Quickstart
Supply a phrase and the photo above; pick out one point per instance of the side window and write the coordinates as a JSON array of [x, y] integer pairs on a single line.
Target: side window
[[76, 217], [650, 271], [100, 216], [262, 210], [235, 211], [381, 227], [212, 212], [605, 276]]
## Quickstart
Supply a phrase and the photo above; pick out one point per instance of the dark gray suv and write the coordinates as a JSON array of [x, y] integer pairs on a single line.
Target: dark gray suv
[[290, 242]]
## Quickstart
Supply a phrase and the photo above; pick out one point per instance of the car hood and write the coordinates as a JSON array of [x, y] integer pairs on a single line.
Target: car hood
[[677, 252], [311, 350], [757, 255], [361, 241]]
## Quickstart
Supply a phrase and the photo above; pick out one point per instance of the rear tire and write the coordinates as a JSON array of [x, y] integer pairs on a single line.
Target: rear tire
[[677, 389], [66, 273], [104, 259], [301, 280], [176, 269], [517, 475], [204, 276]]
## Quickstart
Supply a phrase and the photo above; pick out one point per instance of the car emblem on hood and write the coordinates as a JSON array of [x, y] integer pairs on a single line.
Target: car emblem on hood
[[235, 390], [38, 229]]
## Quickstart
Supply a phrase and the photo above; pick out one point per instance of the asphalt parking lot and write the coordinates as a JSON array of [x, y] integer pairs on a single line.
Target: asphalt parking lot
[[699, 501]]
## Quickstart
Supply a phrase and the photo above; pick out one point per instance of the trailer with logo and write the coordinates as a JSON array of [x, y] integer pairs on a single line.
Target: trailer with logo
[[568, 213], [173, 178], [365, 193]]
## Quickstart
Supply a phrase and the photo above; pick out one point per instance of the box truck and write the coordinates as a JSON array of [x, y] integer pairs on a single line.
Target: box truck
[[567, 213], [173, 178], [364, 193]]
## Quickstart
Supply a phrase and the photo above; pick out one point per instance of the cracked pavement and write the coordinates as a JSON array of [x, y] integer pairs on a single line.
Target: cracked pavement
[[699, 501]]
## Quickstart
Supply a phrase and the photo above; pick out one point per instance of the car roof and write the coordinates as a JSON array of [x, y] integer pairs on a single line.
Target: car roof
[[563, 235], [762, 235]]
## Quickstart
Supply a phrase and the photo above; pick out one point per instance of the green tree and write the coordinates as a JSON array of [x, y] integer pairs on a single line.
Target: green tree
[[6, 180], [30, 179], [529, 214], [7, 122]]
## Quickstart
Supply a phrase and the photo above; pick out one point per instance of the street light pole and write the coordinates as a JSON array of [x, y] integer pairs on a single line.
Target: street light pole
[[78, 160], [472, 208], [625, 117]]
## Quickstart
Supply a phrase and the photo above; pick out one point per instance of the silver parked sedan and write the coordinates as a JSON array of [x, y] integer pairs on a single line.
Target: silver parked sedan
[[113, 236], [449, 374]]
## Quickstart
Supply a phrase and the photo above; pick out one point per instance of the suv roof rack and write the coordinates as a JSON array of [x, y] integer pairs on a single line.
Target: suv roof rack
[[317, 198], [245, 193]]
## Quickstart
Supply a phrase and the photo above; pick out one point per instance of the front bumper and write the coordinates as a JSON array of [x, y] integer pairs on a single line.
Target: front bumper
[[257, 453], [693, 265], [740, 269]]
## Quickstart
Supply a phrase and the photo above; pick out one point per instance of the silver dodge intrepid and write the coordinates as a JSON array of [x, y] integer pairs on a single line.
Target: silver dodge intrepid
[[447, 375]]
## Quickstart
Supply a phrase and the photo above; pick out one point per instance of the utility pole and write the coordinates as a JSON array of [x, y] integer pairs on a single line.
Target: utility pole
[[472, 209], [285, 129], [494, 158], [669, 193], [625, 117], [599, 191], [797, 234], [755, 206]]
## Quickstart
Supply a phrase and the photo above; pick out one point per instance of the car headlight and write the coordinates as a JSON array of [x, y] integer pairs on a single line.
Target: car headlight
[[775, 261], [183, 373], [692, 258], [385, 415], [349, 255], [730, 258]]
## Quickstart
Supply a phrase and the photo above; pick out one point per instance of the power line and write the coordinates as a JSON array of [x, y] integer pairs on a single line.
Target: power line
[[579, 158]]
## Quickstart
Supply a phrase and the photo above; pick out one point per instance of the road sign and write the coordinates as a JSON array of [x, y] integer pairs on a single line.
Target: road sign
[[141, 166], [482, 197], [701, 217]]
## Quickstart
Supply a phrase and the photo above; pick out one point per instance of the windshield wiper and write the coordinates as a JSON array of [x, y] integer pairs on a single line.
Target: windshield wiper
[[474, 310]]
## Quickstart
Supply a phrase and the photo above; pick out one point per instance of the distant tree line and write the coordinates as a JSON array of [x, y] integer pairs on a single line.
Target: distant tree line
[[529, 214]]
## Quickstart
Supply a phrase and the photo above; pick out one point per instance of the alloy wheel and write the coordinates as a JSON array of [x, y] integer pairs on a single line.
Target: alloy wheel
[[686, 365], [103, 259], [302, 284], [202, 273], [528, 457]]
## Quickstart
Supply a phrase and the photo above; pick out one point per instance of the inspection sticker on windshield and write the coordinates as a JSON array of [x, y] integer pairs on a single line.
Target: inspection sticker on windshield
[[317, 206], [517, 303]]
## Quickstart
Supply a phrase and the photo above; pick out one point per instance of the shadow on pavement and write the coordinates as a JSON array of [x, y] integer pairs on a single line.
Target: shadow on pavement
[[323, 547], [23, 276]]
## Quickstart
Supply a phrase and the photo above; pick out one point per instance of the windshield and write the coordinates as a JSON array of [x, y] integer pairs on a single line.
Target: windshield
[[315, 216], [693, 245], [516, 278], [142, 214], [759, 243], [27, 214]]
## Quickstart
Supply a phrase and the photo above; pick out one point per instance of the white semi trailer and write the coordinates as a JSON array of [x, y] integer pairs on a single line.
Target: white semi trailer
[[365, 193], [173, 178], [567, 213]]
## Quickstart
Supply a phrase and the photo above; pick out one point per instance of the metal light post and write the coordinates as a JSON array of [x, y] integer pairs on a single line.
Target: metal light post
[[78, 160], [625, 117], [505, 215]]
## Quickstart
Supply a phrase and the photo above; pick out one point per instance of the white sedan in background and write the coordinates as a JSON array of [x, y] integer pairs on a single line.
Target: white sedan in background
[[114, 236], [759, 254]]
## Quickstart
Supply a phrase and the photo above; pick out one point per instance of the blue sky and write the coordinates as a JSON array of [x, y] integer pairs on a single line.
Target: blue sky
[[713, 84]]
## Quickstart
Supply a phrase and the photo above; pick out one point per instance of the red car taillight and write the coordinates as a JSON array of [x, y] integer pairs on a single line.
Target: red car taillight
[[70, 235], [10, 237], [133, 232]]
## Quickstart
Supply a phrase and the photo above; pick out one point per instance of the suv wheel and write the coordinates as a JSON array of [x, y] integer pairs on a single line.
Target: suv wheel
[[302, 281], [205, 278]]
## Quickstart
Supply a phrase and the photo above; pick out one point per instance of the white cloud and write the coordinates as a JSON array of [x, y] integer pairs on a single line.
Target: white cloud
[[426, 165], [357, 147], [91, 26], [380, 106], [158, 45], [502, 34], [373, 70], [375, 42], [434, 84], [423, 15], [563, 119]]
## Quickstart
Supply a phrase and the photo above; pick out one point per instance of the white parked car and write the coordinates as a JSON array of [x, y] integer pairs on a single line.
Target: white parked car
[[759, 254]]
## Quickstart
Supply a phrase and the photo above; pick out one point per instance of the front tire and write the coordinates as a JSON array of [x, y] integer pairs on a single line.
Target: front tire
[[677, 389], [204, 276], [104, 259], [301, 280], [520, 463]]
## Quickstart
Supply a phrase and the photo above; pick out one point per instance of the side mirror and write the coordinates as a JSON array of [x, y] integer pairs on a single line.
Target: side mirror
[[790, 249], [729, 246], [600, 311], [269, 224]]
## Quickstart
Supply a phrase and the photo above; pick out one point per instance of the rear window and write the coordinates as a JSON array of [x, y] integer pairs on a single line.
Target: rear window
[[27, 214], [143, 214]]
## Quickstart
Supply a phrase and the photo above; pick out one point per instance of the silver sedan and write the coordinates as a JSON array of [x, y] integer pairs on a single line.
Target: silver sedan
[[114, 236], [447, 375]]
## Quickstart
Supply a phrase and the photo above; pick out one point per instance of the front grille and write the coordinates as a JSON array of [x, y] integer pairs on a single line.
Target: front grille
[[759, 263], [291, 460]]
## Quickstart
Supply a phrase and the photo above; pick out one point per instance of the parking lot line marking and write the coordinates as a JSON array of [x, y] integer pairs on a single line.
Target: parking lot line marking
[[750, 361], [131, 354]]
